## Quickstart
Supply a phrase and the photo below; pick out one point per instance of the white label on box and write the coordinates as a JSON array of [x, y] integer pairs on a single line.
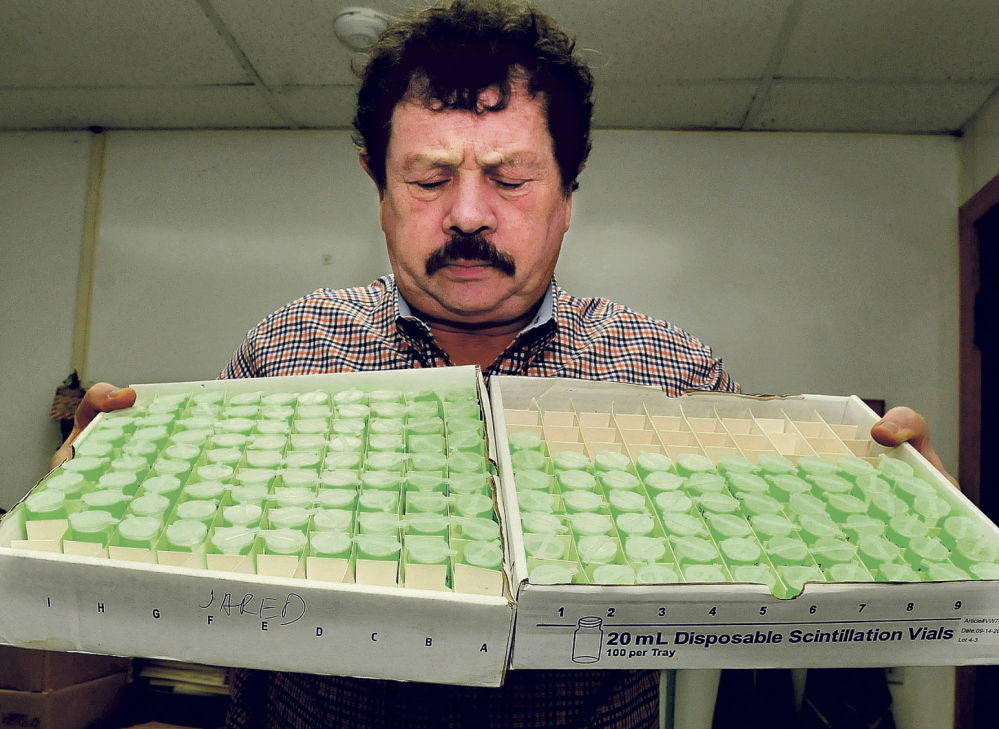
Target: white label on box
[[740, 626]]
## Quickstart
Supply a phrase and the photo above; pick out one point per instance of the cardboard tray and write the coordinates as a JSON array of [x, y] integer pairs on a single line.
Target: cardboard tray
[[32, 670], [78, 706], [726, 624], [98, 605]]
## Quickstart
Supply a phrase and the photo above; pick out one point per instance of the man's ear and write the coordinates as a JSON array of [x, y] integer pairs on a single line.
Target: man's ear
[[568, 212], [365, 161]]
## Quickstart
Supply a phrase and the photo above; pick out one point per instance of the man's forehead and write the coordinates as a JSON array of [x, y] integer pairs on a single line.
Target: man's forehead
[[432, 156], [516, 135]]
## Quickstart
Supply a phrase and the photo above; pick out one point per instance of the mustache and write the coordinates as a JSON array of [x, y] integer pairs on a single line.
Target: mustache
[[469, 247]]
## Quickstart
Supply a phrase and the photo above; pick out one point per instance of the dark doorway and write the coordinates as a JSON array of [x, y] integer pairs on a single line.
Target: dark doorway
[[978, 688], [987, 341]]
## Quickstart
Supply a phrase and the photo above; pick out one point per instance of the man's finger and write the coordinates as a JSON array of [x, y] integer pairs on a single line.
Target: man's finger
[[100, 398], [904, 425], [901, 425]]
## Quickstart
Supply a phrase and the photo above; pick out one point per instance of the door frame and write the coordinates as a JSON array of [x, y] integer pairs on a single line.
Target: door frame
[[970, 399]]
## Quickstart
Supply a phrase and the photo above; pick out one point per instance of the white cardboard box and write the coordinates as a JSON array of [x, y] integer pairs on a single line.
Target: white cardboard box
[[92, 604], [97, 605], [733, 625]]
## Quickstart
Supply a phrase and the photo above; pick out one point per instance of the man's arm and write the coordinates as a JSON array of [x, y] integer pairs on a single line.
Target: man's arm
[[100, 398], [905, 425]]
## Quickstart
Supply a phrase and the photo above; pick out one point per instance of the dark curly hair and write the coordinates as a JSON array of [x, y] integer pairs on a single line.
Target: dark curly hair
[[446, 55]]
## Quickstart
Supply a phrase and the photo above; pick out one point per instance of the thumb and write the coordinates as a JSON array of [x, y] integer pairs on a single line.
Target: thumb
[[901, 425], [100, 398], [904, 425]]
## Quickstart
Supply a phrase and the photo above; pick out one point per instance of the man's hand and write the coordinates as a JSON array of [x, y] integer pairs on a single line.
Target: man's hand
[[904, 425], [100, 398]]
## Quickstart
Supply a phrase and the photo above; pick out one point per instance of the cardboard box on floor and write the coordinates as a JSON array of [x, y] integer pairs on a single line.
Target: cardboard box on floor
[[731, 625], [22, 669], [80, 706], [94, 604]]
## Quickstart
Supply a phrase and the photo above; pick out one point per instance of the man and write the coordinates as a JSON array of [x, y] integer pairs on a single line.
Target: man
[[473, 122]]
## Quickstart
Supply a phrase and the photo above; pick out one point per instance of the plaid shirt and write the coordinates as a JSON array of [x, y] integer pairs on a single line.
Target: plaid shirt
[[360, 329]]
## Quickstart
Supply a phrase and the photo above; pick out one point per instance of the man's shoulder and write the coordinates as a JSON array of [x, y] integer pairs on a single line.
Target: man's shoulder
[[595, 317], [358, 303], [602, 340]]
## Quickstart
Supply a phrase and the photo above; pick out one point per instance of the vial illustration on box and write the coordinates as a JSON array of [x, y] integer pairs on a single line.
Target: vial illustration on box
[[587, 640]]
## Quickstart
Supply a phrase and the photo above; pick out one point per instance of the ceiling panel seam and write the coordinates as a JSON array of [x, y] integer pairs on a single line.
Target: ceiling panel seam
[[762, 95], [258, 82]]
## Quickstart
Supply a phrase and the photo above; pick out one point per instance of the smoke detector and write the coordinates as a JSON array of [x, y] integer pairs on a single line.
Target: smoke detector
[[358, 28]]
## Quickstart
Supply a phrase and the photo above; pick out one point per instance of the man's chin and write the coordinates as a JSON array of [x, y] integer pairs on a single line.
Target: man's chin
[[471, 307]]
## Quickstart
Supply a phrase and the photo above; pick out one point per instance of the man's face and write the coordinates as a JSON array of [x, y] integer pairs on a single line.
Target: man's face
[[492, 176]]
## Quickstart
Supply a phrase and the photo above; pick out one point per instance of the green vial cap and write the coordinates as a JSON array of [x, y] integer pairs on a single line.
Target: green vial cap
[[186, 534], [331, 544], [149, 505], [631, 523], [487, 555], [552, 574], [570, 461], [331, 520], [577, 480], [139, 529], [645, 549], [284, 541], [613, 574], [740, 549], [544, 546], [586, 523], [650, 463], [575, 501], [377, 546], [656, 574], [482, 529], [598, 548]]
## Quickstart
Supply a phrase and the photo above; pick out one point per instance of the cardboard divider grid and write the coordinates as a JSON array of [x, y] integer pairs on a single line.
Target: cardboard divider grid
[[707, 433]]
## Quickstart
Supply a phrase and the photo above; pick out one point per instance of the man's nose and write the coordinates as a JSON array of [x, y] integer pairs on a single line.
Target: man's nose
[[471, 210]]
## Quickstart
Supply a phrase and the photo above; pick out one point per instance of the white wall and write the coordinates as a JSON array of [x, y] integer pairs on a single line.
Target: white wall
[[980, 149], [203, 234], [42, 188]]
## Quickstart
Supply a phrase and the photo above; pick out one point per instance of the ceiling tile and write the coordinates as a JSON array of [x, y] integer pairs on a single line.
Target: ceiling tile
[[291, 43], [882, 39], [636, 40], [663, 64], [319, 107], [134, 108], [870, 107], [112, 42], [672, 106]]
